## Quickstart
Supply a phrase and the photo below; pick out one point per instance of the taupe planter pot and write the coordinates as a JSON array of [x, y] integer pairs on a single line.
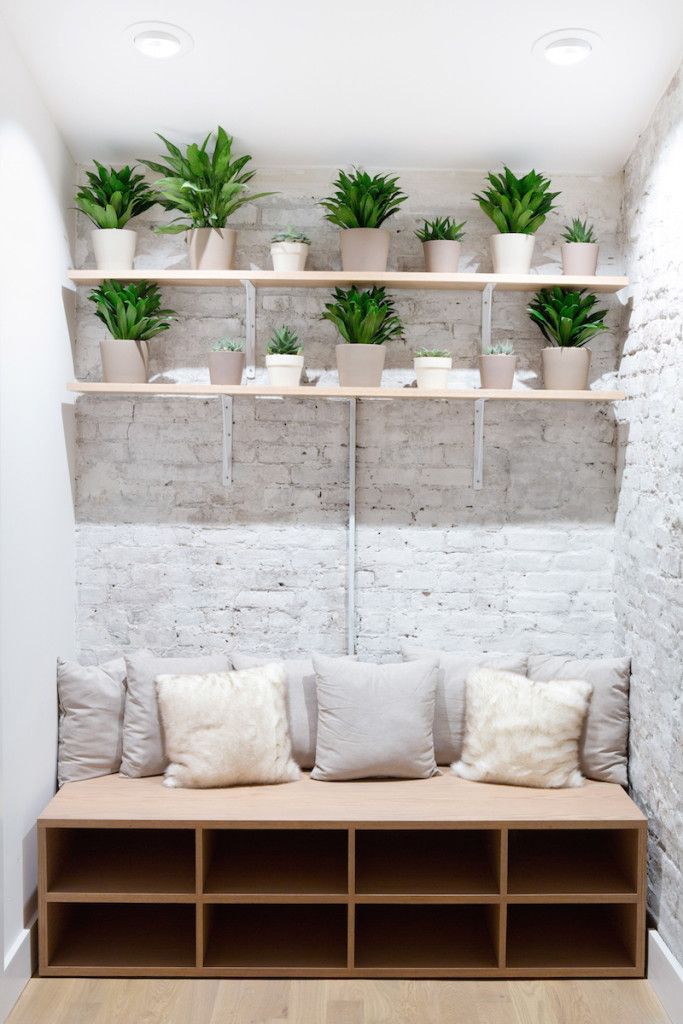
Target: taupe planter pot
[[360, 366], [497, 372], [580, 258], [512, 253], [566, 369], [226, 367], [114, 248], [124, 361], [364, 248], [442, 256], [212, 248]]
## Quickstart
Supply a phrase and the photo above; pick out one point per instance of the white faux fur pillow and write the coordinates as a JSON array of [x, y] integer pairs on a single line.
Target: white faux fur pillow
[[521, 732], [226, 728]]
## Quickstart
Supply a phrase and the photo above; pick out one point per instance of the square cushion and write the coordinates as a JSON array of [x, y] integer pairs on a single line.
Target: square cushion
[[374, 721], [603, 746], [143, 745], [91, 703], [449, 715]]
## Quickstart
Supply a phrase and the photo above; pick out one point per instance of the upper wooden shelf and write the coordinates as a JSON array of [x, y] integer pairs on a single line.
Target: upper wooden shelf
[[314, 391], [331, 278]]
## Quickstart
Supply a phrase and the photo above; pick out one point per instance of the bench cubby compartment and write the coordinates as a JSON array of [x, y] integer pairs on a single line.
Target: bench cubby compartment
[[428, 861], [573, 861], [572, 936], [275, 936], [455, 936]]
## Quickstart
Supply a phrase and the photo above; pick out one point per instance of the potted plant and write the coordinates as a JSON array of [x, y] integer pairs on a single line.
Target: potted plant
[[284, 359], [518, 207], [226, 361], [289, 250], [110, 200], [133, 315], [365, 320], [497, 366], [206, 189], [567, 321], [579, 249], [431, 367], [359, 207], [441, 244]]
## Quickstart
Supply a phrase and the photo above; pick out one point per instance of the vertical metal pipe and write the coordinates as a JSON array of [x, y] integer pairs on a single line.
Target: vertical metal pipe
[[351, 536]]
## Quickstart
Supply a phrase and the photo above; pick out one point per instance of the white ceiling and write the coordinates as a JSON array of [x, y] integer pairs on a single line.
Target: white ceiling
[[388, 83]]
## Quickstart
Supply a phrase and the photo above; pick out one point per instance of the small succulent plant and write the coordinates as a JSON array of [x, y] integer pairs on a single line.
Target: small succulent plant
[[441, 229], [432, 353], [228, 345], [284, 342], [290, 234], [579, 231], [502, 348]]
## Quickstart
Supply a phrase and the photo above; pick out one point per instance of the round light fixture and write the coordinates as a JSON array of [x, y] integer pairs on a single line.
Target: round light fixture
[[158, 40], [567, 46]]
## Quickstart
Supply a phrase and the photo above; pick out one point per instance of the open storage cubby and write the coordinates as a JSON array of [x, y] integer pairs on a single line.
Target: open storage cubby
[[275, 936], [601, 936], [573, 861], [427, 935], [440, 861]]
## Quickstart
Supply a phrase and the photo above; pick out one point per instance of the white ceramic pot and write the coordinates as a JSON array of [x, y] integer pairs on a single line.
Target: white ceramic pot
[[566, 369], [124, 361], [289, 256], [360, 366], [580, 258], [114, 248], [497, 372], [364, 248], [284, 371], [432, 371], [512, 253], [442, 256], [212, 248]]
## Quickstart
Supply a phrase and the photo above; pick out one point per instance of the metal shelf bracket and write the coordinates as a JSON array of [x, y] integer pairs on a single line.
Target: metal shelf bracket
[[478, 470], [351, 537], [226, 401], [486, 309], [250, 329]]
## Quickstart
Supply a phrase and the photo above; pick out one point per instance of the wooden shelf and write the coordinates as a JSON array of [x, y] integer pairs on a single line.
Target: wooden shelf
[[271, 937], [416, 280], [593, 937], [426, 936]]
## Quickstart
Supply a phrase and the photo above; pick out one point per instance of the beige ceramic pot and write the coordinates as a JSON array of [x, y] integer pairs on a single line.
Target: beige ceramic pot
[[360, 366], [566, 369], [124, 361], [512, 253], [497, 372], [580, 258], [364, 248], [284, 371], [431, 372], [442, 256], [226, 367], [114, 248], [212, 248]]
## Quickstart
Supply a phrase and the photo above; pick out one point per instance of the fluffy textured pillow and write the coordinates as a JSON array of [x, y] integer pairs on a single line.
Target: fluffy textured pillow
[[449, 715], [603, 747], [143, 745], [226, 728], [522, 732], [91, 702], [374, 721]]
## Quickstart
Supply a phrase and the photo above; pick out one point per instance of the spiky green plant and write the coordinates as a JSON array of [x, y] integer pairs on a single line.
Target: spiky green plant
[[502, 348], [206, 188], [565, 316], [363, 317], [113, 196], [290, 234], [284, 342], [228, 345], [515, 204], [432, 353], [362, 200], [131, 311], [441, 229], [579, 231]]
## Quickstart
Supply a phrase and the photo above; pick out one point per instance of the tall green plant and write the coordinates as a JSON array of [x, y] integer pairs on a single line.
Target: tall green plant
[[131, 311], [206, 188], [363, 317], [518, 205], [565, 316], [362, 200], [113, 196]]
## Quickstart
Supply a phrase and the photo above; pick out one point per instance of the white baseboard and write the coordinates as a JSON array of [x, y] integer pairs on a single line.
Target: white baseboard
[[17, 970], [665, 975]]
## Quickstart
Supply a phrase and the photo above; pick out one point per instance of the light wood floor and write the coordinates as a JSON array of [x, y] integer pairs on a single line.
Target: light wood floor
[[117, 1001]]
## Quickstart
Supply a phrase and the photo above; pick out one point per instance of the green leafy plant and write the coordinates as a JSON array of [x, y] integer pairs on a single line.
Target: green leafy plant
[[432, 353], [113, 196], [290, 234], [565, 316], [206, 188], [362, 200], [515, 204], [228, 345], [363, 317], [579, 231], [131, 311], [441, 229], [502, 348], [284, 342]]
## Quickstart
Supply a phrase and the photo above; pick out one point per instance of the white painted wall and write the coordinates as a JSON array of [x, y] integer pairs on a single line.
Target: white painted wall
[[36, 506]]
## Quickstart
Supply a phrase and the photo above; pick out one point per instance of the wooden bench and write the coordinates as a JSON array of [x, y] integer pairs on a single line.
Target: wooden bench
[[434, 878]]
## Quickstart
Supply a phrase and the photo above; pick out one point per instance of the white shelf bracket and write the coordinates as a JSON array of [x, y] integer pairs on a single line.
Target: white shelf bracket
[[351, 537], [478, 470], [486, 309], [250, 329], [226, 401]]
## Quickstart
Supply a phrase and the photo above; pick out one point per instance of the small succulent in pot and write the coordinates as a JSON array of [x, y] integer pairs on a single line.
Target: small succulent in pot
[[365, 318], [566, 319], [361, 204], [226, 361], [497, 366], [289, 250], [517, 207], [579, 249], [110, 200], [441, 244], [431, 367], [133, 315], [284, 358]]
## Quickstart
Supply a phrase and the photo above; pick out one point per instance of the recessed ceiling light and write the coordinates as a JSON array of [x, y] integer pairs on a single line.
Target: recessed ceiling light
[[567, 46], [159, 40]]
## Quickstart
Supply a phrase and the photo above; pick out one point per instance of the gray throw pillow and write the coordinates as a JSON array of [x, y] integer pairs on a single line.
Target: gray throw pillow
[[91, 702], [603, 746], [374, 721], [143, 745], [449, 716]]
